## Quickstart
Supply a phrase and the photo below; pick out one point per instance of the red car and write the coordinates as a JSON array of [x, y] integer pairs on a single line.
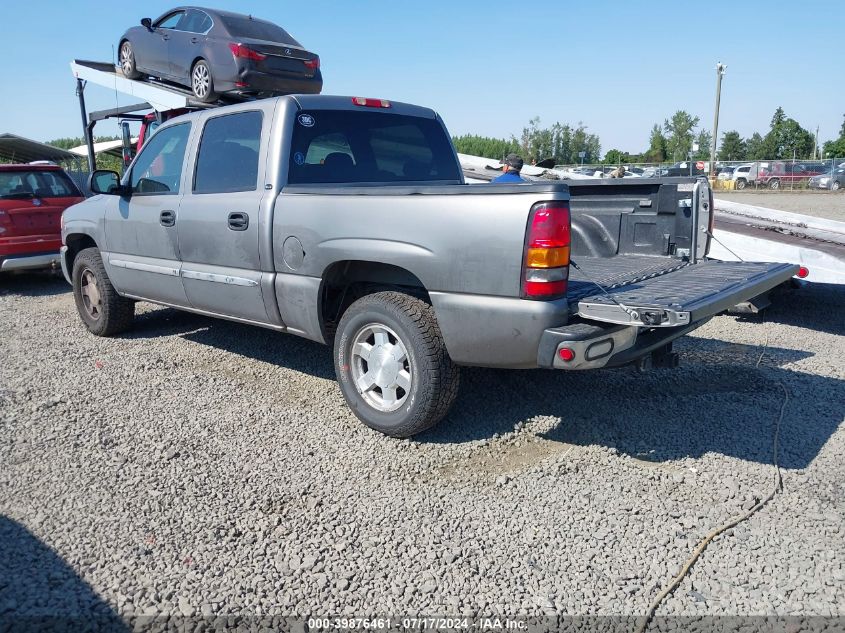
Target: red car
[[780, 173], [32, 199]]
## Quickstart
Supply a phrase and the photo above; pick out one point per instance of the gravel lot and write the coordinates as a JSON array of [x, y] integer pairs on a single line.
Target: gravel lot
[[197, 466], [821, 204]]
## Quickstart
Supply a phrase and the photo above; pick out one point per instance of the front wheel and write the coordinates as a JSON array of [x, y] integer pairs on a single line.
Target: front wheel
[[741, 183], [774, 183], [835, 185], [392, 364], [202, 83], [102, 310]]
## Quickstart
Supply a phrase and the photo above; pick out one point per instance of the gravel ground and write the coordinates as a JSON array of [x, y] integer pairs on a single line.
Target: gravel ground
[[198, 466], [821, 204]]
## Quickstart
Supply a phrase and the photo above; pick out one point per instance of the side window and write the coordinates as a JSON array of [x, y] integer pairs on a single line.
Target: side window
[[195, 22], [227, 160], [170, 21], [158, 168]]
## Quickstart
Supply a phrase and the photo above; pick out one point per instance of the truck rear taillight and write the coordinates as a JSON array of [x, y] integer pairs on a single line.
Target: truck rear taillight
[[547, 243], [371, 103], [245, 52], [313, 64]]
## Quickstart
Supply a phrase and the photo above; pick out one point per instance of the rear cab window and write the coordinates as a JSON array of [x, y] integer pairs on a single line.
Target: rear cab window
[[343, 146]]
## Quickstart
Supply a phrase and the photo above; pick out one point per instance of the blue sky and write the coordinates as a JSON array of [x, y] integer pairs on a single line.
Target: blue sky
[[618, 67]]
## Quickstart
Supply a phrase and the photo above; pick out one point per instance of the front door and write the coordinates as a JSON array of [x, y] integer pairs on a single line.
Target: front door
[[143, 249], [218, 217]]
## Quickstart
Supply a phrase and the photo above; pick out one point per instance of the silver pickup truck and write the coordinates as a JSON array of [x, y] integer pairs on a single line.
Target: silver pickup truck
[[347, 221]]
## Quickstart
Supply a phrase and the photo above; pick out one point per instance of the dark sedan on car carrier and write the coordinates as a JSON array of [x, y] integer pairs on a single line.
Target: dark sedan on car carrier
[[216, 52]]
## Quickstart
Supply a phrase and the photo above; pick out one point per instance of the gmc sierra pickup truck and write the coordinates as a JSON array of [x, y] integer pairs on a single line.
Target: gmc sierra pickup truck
[[347, 221]]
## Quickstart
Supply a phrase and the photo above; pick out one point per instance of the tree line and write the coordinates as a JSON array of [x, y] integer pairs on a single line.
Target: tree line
[[676, 139]]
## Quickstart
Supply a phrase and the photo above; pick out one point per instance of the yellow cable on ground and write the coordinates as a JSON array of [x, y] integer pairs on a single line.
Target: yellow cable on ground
[[733, 522]]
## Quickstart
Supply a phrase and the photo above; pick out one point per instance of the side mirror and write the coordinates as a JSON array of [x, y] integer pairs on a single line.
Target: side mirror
[[126, 143], [105, 181], [147, 23]]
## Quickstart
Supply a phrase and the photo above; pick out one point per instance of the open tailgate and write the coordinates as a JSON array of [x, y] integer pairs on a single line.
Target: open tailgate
[[678, 297]]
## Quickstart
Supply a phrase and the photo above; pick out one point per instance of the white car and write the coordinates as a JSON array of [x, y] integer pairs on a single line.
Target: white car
[[744, 175]]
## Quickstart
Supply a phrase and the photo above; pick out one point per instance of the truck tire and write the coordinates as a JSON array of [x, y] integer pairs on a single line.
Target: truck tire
[[202, 83], [392, 364], [741, 183], [127, 61], [103, 311], [774, 183], [835, 186]]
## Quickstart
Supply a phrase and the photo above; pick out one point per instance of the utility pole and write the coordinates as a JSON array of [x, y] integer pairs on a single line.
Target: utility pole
[[720, 71], [816, 143]]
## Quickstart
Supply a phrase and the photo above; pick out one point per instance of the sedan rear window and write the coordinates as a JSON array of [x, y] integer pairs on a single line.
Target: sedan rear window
[[258, 29], [343, 146], [36, 184]]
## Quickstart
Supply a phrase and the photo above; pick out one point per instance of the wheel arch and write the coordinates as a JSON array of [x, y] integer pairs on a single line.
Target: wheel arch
[[345, 281], [76, 243]]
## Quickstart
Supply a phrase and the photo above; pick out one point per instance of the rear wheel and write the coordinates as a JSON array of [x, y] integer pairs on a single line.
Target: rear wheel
[[202, 83], [835, 185], [103, 311], [127, 61], [392, 364], [774, 183], [741, 183]]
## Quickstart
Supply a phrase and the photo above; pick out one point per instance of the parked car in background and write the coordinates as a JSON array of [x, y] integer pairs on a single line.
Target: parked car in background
[[778, 173], [32, 199], [215, 52], [744, 175], [833, 181], [725, 172]]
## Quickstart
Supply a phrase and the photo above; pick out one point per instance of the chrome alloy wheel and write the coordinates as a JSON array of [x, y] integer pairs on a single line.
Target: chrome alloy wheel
[[381, 369], [201, 80], [126, 58], [90, 292]]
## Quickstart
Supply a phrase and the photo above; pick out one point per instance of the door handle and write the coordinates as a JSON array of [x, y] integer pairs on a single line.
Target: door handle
[[194, 40], [167, 218], [238, 221]]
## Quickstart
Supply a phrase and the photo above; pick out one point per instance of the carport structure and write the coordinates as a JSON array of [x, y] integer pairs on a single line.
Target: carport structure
[[17, 149]]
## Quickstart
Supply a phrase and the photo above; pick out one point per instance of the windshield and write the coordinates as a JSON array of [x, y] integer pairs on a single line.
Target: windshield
[[243, 27], [36, 184], [343, 146]]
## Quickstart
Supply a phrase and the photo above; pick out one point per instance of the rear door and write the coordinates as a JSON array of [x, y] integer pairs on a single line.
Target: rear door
[[219, 215], [142, 248]]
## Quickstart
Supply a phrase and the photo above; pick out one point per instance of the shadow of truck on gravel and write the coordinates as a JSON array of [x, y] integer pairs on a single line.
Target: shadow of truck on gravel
[[41, 283], [40, 592], [717, 401]]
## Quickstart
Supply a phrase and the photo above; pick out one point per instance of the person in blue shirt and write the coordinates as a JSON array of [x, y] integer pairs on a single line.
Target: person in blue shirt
[[511, 168]]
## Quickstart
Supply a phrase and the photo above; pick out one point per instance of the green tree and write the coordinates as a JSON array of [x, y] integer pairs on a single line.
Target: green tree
[[732, 148], [561, 142], [787, 139], [704, 140], [679, 133], [616, 157], [495, 148], [755, 148], [777, 118], [836, 148], [657, 145]]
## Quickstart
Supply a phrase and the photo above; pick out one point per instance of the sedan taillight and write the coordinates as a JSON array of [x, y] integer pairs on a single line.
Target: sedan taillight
[[245, 52], [313, 64]]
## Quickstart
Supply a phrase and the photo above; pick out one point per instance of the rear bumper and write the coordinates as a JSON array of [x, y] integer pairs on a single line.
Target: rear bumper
[[29, 262], [279, 83], [597, 346]]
